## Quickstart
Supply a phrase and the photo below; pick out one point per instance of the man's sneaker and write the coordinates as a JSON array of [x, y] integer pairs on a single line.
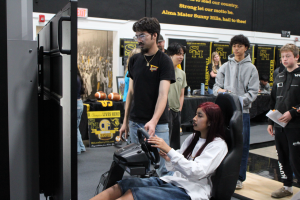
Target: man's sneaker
[[282, 192], [239, 185]]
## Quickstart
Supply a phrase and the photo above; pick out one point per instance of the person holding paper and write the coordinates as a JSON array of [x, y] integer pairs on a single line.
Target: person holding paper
[[285, 97], [239, 76]]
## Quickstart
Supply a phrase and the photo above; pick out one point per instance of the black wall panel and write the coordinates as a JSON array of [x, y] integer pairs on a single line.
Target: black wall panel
[[114, 9]]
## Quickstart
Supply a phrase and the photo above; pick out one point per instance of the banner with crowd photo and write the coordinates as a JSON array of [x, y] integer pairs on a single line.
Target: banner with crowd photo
[[223, 49], [265, 61], [198, 57], [94, 61], [127, 45]]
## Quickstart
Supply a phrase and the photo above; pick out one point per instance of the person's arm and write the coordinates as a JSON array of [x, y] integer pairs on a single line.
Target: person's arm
[[129, 98], [160, 106], [219, 81], [212, 74], [252, 87], [181, 99], [203, 165]]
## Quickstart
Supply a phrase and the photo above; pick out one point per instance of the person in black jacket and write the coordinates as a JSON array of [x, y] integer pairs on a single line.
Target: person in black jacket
[[285, 97]]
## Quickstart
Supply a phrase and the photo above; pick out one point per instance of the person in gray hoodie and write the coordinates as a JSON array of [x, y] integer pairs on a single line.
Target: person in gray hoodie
[[239, 76]]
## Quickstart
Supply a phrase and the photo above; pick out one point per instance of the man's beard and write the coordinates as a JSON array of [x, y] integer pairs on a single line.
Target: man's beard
[[144, 49], [160, 47]]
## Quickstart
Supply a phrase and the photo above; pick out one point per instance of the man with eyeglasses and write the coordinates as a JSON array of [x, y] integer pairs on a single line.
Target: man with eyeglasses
[[151, 72]]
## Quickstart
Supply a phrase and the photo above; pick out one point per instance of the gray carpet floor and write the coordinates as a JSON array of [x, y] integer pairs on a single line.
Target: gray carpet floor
[[96, 161]]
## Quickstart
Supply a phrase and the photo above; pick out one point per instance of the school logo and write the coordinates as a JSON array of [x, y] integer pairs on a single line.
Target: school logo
[[221, 52], [297, 75], [104, 125], [194, 50], [264, 55], [128, 48], [153, 68]]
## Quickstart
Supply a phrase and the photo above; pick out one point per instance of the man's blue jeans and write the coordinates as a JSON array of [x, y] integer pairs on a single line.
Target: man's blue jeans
[[162, 131], [246, 145], [80, 145]]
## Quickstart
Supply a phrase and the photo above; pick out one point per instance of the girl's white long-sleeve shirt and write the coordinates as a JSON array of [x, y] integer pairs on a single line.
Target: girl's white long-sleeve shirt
[[194, 176]]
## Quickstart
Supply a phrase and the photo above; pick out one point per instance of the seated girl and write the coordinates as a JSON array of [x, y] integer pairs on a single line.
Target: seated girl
[[193, 164]]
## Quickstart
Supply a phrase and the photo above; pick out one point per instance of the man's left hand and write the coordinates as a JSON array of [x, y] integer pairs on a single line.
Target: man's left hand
[[286, 117]]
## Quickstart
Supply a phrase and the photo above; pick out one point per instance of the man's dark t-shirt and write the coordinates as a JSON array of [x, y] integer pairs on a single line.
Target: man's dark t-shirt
[[146, 80]]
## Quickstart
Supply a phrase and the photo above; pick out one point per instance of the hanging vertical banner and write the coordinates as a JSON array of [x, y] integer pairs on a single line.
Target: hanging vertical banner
[[265, 61], [250, 51], [223, 49], [127, 45], [198, 56]]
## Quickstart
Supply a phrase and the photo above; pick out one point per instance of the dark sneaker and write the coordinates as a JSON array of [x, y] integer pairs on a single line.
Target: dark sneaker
[[280, 193], [239, 185]]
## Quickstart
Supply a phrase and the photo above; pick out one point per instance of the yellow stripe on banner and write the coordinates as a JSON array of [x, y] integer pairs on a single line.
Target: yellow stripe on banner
[[208, 61], [87, 107], [272, 66], [104, 114], [253, 59]]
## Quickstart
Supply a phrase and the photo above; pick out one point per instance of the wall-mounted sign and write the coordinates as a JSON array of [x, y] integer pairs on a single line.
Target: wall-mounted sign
[[286, 34], [82, 12]]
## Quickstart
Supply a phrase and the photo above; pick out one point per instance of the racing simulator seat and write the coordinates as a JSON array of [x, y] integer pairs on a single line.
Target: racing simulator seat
[[134, 160]]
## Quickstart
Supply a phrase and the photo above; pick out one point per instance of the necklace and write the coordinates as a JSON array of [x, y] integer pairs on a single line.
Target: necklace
[[150, 59]]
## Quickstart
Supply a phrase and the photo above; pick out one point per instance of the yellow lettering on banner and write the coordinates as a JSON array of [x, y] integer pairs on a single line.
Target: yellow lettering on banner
[[272, 64], [230, 5], [221, 52], [215, 2], [264, 55], [181, 14], [215, 18], [104, 114], [206, 1], [241, 21], [226, 19], [194, 50], [220, 11], [200, 8], [208, 9], [195, 8], [166, 12], [201, 16]]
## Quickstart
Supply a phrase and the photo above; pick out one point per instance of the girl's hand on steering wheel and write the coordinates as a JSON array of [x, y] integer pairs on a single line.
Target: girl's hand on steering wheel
[[159, 143]]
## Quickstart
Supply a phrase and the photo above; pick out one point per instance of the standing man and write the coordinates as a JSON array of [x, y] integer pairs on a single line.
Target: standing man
[[151, 72], [240, 77], [285, 98], [161, 44], [176, 94]]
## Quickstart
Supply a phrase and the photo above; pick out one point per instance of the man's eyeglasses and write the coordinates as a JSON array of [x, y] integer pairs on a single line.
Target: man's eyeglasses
[[142, 37]]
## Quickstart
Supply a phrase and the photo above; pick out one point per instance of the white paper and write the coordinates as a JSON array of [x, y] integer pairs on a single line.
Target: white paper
[[274, 116]]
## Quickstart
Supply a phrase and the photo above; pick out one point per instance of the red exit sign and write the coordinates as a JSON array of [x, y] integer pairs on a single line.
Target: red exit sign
[[82, 12]]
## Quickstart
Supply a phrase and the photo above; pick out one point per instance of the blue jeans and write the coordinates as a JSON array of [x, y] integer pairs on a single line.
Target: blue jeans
[[162, 131], [210, 91], [80, 145], [152, 188], [246, 145]]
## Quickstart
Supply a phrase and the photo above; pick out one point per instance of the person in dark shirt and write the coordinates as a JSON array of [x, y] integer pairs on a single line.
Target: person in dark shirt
[[264, 86], [213, 68], [151, 72], [285, 98]]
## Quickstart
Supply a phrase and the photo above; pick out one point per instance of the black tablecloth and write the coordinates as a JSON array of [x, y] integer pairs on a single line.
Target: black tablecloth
[[260, 105], [190, 105]]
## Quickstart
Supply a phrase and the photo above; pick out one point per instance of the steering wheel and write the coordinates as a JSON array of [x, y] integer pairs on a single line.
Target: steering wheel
[[146, 147]]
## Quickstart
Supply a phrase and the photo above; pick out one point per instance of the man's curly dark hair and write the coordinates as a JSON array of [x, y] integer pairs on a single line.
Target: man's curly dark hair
[[240, 39], [151, 25]]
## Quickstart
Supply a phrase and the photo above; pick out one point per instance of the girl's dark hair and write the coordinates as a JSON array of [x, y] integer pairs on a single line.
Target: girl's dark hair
[[174, 48], [216, 129], [81, 81], [151, 25], [240, 39]]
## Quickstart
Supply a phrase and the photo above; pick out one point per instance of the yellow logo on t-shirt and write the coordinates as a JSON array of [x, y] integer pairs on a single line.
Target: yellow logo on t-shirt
[[153, 68]]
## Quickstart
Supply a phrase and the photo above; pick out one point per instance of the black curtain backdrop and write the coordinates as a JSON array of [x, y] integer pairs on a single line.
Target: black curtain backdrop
[[223, 49]]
